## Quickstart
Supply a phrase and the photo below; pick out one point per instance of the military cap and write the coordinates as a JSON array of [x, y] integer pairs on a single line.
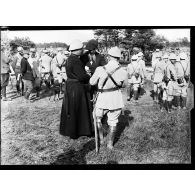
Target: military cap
[[183, 56], [140, 54], [172, 57], [134, 57], [25, 52]]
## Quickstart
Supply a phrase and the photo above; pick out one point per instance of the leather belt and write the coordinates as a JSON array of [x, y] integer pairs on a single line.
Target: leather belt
[[108, 90]]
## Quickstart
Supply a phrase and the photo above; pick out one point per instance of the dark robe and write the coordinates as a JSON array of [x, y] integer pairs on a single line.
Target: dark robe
[[76, 113]]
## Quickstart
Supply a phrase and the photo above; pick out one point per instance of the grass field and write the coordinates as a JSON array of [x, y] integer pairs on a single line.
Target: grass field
[[30, 135]]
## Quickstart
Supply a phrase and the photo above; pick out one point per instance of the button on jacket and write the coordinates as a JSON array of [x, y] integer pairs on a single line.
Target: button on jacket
[[109, 100]]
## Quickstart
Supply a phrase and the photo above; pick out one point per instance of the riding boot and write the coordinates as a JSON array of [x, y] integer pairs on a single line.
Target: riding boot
[[169, 103], [101, 132], [128, 93], [174, 102], [111, 137], [136, 95], [184, 101], [178, 102]]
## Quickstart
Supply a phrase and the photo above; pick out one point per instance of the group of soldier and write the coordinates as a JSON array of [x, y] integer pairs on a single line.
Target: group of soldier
[[89, 77]]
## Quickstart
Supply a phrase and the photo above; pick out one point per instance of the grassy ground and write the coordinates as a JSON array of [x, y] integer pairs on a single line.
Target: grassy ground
[[30, 135]]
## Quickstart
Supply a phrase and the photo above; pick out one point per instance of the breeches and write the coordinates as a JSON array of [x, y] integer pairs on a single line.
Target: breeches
[[180, 91], [28, 86], [157, 87], [113, 115]]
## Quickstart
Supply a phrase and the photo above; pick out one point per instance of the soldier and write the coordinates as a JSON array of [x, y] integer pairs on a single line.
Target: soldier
[[141, 63], [27, 75], [182, 73], [45, 61], [134, 78], [5, 70], [169, 79], [158, 77], [110, 79], [34, 63], [58, 68], [16, 64]]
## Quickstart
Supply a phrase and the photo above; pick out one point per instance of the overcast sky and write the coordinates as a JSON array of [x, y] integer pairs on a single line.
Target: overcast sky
[[68, 35]]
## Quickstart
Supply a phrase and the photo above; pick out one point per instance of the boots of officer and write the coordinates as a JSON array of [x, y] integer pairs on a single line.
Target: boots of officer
[[101, 132], [184, 101], [169, 103], [111, 137], [178, 103]]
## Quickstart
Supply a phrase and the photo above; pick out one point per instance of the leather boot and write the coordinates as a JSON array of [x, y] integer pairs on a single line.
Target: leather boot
[[111, 137], [184, 101], [178, 102], [101, 132], [169, 106]]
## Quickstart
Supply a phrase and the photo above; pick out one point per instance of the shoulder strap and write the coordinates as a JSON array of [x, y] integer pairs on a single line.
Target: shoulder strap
[[183, 68], [110, 76]]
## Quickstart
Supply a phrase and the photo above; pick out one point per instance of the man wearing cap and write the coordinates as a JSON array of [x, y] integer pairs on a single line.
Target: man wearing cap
[[134, 78], [45, 61], [16, 64], [158, 77], [76, 116], [27, 75], [110, 79], [34, 63], [5, 70], [182, 74]]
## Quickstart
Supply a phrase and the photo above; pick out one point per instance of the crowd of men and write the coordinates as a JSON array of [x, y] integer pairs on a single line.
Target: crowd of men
[[79, 67]]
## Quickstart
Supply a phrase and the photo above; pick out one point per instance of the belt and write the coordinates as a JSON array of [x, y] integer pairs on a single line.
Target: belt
[[72, 80], [108, 90]]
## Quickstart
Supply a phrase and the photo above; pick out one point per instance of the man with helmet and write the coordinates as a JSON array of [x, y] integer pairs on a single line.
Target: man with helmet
[[170, 79], [182, 73], [134, 78], [141, 63], [5, 70], [58, 68], [45, 63], [76, 116], [109, 79], [16, 64], [158, 77], [34, 63]]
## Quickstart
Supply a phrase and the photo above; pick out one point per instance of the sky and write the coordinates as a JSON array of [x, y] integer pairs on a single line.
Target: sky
[[68, 35]]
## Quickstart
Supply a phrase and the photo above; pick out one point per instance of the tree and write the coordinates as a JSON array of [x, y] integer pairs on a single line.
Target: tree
[[26, 43]]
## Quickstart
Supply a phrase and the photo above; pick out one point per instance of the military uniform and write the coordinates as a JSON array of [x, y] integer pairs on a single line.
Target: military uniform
[[5, 70]]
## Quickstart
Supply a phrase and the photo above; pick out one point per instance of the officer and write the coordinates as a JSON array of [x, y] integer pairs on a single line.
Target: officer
[[16, 64], [170, 79], [45, 62], [158, 77], [110, 79], [141, 63], [34, 63], [182, 73], [5, 70], [134, 78]]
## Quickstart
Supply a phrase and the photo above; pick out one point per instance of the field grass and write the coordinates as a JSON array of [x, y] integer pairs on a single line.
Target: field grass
[[30, 135]]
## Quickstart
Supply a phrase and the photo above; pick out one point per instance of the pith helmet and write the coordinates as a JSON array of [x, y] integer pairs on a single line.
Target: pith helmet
[[134, 57], [91, 45], [165, 56], [172, 57], [20, 49], [183, 56], [75, 45], [115, 52], [140, 54], [32, 50]]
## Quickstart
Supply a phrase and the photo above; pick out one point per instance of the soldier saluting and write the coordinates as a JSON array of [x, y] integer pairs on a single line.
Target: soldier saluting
[[110, 79]]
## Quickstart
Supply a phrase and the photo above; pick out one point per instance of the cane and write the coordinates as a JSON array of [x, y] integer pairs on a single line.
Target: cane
[[96, 134]]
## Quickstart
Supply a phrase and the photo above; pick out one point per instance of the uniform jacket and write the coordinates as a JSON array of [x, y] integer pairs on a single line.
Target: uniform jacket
[[26, 70], [133, 68], [109, 100], [5, 67], [158, 71], [170, 71], [34, 63], [143, 67], [16, 64], [45, 63]]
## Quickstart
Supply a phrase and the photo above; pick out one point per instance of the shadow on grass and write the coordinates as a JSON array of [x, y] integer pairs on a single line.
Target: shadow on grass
[[73, 157], [124, 121]]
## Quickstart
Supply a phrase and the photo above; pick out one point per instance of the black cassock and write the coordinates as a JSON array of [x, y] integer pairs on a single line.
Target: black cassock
[[76, 113]]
